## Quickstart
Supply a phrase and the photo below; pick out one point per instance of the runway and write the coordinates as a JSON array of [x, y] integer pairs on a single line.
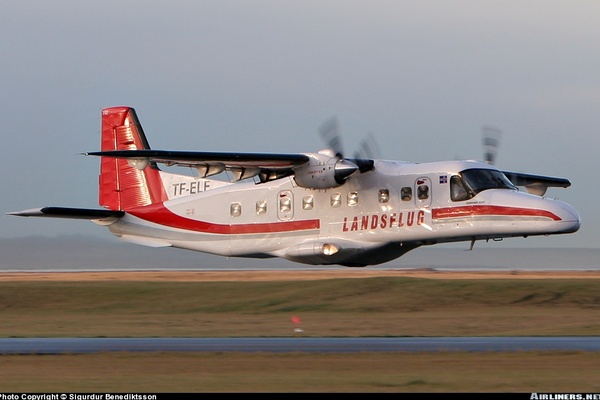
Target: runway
[[296, 344]]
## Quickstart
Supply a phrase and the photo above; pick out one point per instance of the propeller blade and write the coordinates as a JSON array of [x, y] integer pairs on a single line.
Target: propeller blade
[[330, 133], [368, 148], [491, 142]]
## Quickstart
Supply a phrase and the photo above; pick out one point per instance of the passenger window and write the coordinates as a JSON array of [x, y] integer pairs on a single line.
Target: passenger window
[[285, 204], [423, 192], [384, 196], [352, 198], [308, 203], [235, 209], [261, 207], [406, 193], [336, 200]]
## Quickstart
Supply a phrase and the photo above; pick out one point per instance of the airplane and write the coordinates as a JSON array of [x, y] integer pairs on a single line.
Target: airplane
[[313, 208]]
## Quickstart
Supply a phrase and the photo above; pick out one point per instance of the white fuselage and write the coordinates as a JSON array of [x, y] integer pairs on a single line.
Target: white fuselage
[[385, 212]]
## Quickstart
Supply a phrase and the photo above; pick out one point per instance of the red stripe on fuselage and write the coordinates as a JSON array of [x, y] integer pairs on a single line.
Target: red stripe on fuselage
[[159, 214], [479, 210]]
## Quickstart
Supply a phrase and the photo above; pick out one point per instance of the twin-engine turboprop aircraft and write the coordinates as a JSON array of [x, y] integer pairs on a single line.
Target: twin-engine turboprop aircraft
[[312, 208]]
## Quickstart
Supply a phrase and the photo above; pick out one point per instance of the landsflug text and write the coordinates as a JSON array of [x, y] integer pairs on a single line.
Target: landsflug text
[[383, 221]]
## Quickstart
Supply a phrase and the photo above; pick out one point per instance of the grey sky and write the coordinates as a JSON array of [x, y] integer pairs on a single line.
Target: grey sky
[[422, 76]]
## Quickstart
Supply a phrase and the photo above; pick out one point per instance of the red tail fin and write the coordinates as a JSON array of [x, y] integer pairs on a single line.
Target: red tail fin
[[123, 187]]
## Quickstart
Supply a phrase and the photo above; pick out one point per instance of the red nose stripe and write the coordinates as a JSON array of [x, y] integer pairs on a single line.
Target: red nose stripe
[[476, 211]]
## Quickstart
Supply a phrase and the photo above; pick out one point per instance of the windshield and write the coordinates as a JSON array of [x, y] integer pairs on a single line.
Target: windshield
[[472, 181]]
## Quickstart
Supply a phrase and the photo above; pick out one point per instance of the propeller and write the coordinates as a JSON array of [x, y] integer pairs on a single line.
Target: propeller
[[491, 142], [331, 135], [368, 148]]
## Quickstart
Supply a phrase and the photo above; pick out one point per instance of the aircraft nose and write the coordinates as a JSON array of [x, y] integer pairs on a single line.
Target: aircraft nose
[[570, 218]]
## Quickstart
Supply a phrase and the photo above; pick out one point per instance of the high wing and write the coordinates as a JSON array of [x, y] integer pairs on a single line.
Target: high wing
[[267, 166], [536, 184], [312, 170]]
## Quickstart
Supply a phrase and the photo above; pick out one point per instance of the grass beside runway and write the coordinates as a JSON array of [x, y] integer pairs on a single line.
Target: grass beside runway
[[524, 372], [331, 307]]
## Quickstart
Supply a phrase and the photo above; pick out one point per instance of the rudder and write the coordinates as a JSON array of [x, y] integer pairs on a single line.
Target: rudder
[[121, 185]]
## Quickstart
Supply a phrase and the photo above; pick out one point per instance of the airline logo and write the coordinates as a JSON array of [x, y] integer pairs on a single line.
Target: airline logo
[[383, 221]]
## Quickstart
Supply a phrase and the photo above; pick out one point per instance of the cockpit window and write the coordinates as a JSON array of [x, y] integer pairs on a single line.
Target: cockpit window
[[472, 181], [458, 189]]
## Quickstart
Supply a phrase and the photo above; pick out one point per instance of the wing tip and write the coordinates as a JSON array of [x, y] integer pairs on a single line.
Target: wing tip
[[33, 212], [66, 212]]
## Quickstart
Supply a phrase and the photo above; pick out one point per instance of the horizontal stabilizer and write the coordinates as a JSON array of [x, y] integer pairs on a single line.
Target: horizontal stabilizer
[[65, 212]]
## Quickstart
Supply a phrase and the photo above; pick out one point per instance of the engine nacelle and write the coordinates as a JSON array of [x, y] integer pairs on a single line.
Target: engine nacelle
[[324, 170]]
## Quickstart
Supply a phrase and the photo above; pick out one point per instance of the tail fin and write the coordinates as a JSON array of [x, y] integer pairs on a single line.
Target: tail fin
[[122, 186]]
